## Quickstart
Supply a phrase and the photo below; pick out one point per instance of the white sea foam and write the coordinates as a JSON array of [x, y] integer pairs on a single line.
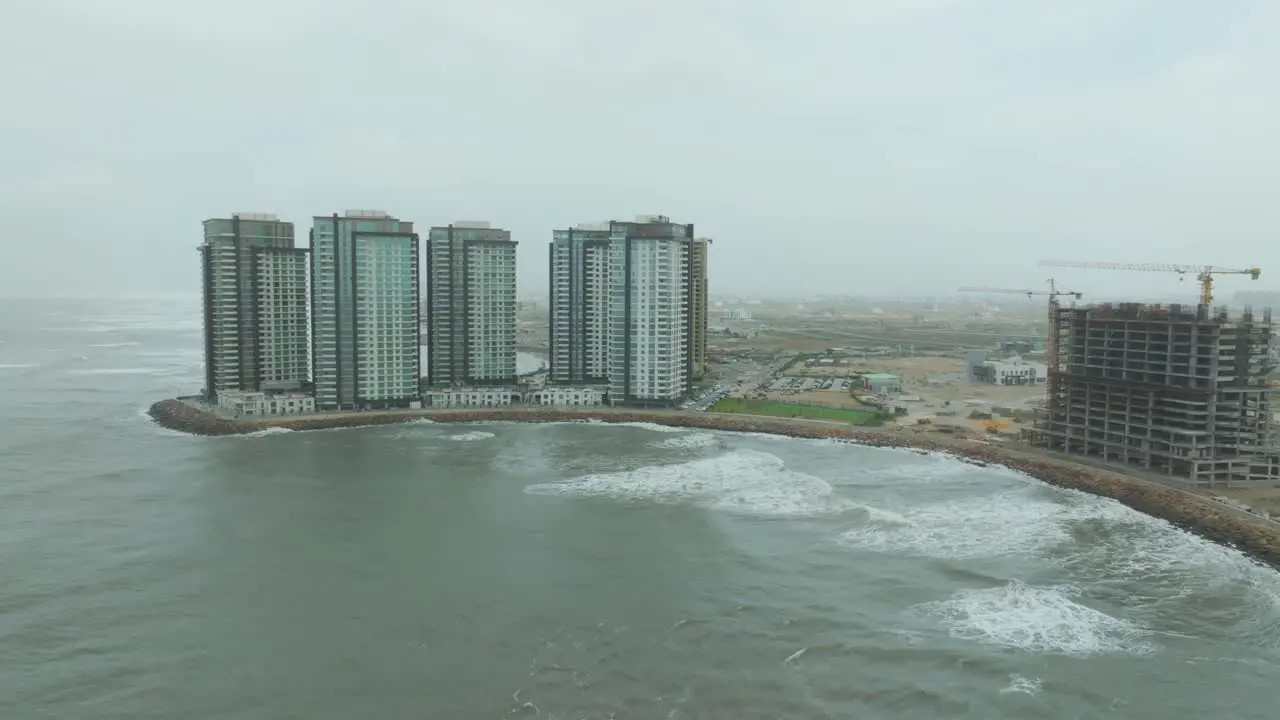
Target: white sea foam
[[745, 482], [1020, 684], [879, 517], [795, 656], [267, 431], [936, 468], [989, 526], [471, 436], [597, 423], [652, 426], [141, 415], [1127, 546], [18, 366], [130, 343], [687, 441], [1037, 619], [412, 430], [1157, 552]]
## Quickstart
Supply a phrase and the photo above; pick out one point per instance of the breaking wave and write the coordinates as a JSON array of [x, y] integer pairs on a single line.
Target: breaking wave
[[651, 426], [1020, 684], [990, 526], [471, 436], [268, 431], [1037, 619], [690, 441], [746, 482], [909, 467]]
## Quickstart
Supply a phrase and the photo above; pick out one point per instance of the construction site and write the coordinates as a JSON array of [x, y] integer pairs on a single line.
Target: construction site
[[1179, 391]]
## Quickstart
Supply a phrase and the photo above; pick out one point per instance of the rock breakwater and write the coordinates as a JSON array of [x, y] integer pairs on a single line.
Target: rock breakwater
[[1217, 522]]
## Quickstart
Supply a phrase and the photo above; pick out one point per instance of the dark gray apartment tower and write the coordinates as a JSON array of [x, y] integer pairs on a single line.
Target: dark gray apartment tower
[[254, 284], [471, 306], [579, 266]]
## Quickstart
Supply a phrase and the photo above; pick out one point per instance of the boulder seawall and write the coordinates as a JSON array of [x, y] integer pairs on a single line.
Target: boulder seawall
[[1254, 535]]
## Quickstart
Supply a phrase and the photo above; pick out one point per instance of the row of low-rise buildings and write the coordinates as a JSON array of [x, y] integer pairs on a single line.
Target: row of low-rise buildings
[[341, 324]]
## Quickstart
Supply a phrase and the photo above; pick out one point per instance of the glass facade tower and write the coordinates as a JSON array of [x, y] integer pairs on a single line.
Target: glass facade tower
[[364, 316]]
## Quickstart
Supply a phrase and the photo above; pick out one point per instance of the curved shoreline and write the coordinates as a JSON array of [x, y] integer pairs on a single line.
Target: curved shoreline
[[1251, 534]]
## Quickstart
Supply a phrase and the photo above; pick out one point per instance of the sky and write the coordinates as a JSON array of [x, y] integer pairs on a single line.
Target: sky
[[835, 146]]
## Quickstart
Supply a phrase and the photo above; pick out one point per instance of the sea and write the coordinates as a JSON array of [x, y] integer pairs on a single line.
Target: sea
[[570, 570]]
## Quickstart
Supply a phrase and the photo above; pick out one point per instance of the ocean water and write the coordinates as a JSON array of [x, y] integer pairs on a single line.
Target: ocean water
[[575, 570]]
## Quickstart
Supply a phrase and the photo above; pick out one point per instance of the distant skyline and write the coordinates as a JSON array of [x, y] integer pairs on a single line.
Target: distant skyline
[[1120, 295], [831, 145]]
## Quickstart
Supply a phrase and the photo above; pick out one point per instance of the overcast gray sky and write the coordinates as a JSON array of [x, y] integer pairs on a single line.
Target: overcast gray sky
[[826, 145]]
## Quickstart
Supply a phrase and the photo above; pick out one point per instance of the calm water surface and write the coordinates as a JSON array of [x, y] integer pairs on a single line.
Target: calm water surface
[[565, 571]]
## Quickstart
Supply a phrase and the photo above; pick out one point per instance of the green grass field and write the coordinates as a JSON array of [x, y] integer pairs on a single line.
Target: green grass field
[[777, 409]]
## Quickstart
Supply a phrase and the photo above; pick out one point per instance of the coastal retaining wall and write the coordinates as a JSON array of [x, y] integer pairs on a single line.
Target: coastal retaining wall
[[1253, 535]]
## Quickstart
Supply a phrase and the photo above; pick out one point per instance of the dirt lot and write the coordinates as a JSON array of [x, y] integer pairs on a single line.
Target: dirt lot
[[1260, 498], [957, 393], [915, 372], [911, 368]]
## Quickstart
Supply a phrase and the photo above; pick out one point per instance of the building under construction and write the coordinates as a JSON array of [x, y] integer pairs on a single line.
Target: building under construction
[[1172, 389]]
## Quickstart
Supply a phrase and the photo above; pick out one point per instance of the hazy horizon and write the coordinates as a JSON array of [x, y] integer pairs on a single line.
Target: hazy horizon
[[1008, 301], [858, 147]]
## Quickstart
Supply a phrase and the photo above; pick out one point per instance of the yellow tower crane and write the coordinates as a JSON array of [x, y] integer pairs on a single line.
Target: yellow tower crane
[[1203, 273], [1051, 332]]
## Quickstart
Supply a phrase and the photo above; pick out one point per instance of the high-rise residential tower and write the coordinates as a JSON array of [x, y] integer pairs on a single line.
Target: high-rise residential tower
[[364, 315], [650, 320], [471, 305], [698, 297], [579, 305], [255, 305]]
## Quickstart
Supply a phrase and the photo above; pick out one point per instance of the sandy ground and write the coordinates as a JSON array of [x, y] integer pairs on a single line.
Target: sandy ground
[[915, 373], [911, 368], [1260, 498]]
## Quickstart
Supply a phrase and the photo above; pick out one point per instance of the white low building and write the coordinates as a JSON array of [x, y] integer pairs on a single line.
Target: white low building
[[567, 396], [1013, 371], [248, 403], [470, 397]]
